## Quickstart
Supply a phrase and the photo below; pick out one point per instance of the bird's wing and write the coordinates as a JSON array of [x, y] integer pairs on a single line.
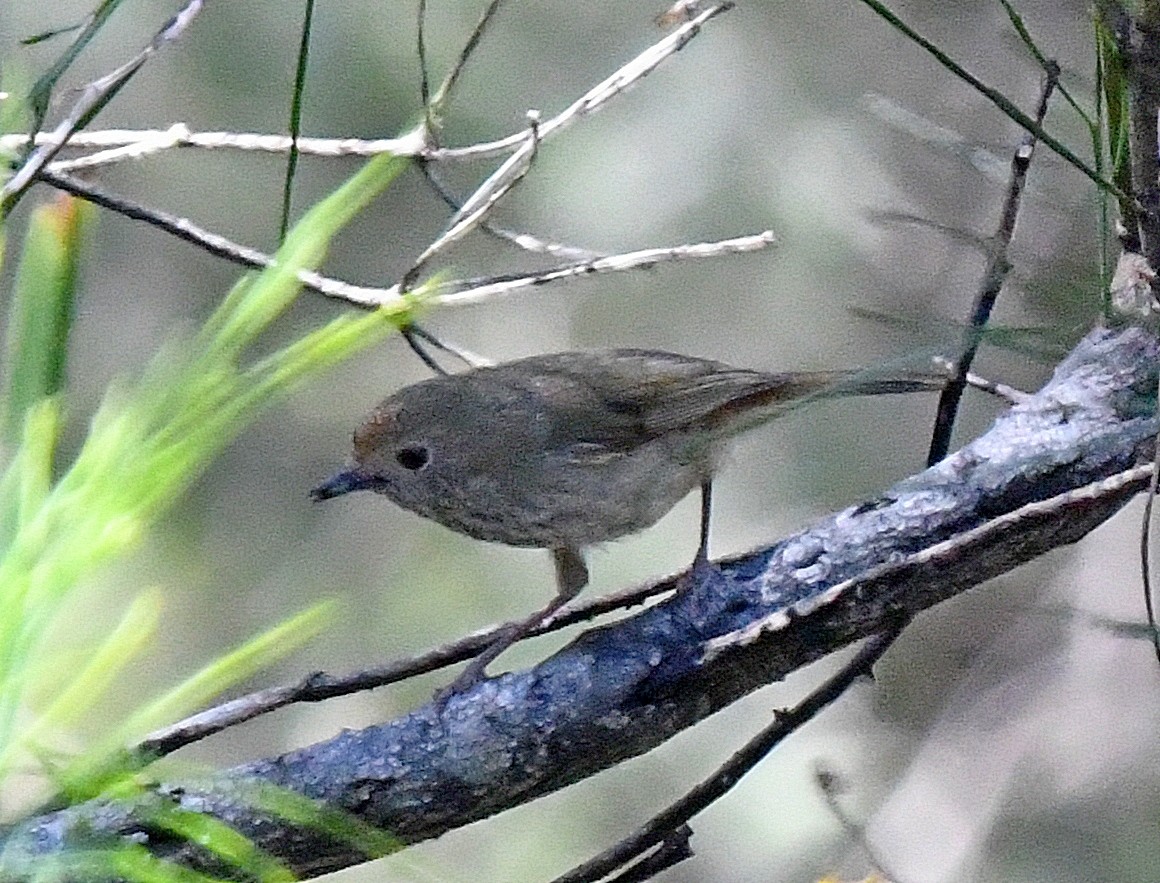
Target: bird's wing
[[615, 400]]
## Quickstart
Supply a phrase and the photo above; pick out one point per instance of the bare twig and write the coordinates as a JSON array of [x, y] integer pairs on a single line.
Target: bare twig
[[213, 243], [415, 144], [660, 826], [321, 686], [424, 70], [93, 97], [485, 198], [120, 144], [436, 102], [1008, 393], [466, 356], [478, 290], [673, 850], [434, 124], [599, 95], [117, 145], [525, 241], [448, 293], [416, 343], [591, 101], [418, 338], [992, 283], [1146, 554]]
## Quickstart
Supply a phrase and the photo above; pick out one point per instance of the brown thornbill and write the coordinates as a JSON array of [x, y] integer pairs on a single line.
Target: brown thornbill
[[566, 450]]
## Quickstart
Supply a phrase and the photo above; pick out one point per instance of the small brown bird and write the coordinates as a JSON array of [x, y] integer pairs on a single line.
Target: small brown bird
[[566, 450]]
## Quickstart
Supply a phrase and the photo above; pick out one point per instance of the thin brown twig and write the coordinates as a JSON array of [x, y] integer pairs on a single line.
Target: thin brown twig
[[1146, 553], [732, 771], [417, 336], [441, 97], [673, 850], [524, 241], [599, 95], [421, 52], [1009, 394], [320, 686]]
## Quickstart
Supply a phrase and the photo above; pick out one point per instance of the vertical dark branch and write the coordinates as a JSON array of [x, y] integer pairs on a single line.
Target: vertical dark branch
[[996, 271], [1143, 57]]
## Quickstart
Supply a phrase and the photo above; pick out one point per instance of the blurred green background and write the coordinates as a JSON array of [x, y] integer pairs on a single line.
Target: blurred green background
[[1007, 737]]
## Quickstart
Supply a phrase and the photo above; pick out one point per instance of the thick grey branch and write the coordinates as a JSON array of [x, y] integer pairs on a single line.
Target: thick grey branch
[[1051, 469]]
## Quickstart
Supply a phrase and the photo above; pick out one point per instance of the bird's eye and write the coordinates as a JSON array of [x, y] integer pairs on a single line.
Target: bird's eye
[[413, 458]]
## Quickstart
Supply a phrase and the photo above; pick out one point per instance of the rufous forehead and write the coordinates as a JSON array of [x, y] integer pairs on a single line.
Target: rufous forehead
[[383, 423]]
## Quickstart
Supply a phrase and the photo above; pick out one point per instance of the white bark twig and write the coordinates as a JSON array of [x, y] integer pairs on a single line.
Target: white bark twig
[[483, 290], [485, 198], [600, 94], [92, 98], [121, 144]]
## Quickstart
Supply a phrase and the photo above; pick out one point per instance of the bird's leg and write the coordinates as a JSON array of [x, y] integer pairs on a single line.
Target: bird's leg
[[702, 558], [571, 577], [696, 574], [571, 572]]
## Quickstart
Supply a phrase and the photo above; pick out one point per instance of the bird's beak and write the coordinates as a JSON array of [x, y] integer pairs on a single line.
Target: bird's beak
[[343, 483]]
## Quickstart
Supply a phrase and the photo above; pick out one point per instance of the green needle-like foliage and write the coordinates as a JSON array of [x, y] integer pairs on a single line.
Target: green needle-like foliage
[[149, 439]]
